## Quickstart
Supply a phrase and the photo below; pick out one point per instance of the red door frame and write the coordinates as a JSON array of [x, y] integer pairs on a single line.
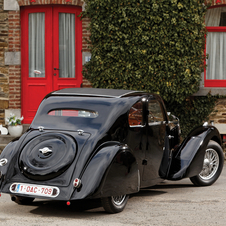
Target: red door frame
[[50, 82], [28, 84]]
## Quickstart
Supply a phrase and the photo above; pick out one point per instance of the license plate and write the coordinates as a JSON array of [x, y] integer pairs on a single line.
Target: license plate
[[34, 189]]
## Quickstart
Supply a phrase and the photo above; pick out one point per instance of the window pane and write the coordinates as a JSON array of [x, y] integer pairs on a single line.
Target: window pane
[[37, 45], [223, 19], [67, 45], [216, 50], [155, 112], [136, 115]]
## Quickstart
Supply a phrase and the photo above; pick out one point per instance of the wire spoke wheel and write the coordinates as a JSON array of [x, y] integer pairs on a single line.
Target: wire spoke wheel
[[210, 165], [114, 204], [118, 200]]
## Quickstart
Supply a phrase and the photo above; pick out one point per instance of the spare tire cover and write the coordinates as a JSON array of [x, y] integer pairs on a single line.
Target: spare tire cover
[[47, 156]]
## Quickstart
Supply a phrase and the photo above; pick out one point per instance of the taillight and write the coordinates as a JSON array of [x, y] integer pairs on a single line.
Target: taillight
[[224, 138], [77, 183]]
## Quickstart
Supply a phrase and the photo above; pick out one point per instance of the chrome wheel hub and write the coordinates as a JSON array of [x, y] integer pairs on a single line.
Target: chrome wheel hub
[[210, 164], [118, 200]]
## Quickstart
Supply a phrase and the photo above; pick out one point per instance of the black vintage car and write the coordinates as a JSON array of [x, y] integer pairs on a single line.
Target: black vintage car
[[100, 143]]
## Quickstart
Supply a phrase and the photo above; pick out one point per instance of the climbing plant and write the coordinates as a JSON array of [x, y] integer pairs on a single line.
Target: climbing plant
[[193, 111], [152, 45]]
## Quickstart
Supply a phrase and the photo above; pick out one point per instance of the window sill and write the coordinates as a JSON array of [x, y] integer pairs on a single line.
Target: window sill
[[203, 91]]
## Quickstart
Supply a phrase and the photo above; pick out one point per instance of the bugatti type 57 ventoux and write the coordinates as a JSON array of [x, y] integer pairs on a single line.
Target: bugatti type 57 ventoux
[[101, 143]]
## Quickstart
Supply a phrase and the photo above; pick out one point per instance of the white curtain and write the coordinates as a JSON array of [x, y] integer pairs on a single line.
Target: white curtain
[[213, 17], [37, 45], [215, 46], [216, 50], [66, 45]]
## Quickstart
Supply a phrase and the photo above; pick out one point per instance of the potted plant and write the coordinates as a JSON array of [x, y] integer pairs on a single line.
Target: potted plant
[[14, 125]]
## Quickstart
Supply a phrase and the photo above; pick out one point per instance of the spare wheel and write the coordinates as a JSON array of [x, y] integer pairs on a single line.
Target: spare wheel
[[47, 156]]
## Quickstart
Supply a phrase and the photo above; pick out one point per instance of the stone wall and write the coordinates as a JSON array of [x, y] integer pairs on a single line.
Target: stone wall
[[4, 79], [85, 46], [43, 2], [14, 70], [218, 116]]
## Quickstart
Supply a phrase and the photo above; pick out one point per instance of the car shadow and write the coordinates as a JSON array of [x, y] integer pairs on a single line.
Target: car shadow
[[172, 185], [147, 192], [93, 207], [157, 189], [77, 209]]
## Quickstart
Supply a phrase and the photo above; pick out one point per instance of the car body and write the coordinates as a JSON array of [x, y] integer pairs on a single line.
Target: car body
[[99, 143]]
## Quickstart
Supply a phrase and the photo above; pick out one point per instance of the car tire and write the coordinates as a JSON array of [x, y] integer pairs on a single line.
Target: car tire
[[212, 165], [21, 200], [114, 204]]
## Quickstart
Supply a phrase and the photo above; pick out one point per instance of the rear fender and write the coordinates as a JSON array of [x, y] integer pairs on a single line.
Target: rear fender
[[112, 171], [187, 160], [10, 155]]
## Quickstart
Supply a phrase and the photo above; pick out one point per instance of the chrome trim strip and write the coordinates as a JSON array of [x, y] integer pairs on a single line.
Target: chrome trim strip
[[82, 94], [98, 95], [140, 126], [157, 123]]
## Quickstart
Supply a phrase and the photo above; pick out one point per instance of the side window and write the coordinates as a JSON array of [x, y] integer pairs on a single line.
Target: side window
[[155, 112], [136, 114]]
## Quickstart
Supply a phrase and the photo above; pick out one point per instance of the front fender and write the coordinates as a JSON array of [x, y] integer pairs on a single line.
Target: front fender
[[187, 160], [112, 171]]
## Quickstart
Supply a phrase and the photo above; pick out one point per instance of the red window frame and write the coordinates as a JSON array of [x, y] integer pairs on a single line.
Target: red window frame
[[214, 82]]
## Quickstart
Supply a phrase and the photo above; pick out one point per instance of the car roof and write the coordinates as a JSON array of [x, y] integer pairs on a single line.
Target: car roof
[[110, 105], [96, 92]]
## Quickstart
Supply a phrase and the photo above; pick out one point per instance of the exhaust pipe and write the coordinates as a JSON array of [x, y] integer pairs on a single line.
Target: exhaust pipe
[[13, 198]]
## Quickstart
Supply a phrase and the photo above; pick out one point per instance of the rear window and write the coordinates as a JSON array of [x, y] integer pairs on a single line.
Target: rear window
[[73, 113]]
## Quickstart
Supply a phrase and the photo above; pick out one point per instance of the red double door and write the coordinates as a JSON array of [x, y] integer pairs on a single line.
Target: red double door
[[51, 53]]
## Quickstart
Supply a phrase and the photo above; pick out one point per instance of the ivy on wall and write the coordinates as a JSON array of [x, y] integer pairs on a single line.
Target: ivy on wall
[[193, 111], [152, 45]]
